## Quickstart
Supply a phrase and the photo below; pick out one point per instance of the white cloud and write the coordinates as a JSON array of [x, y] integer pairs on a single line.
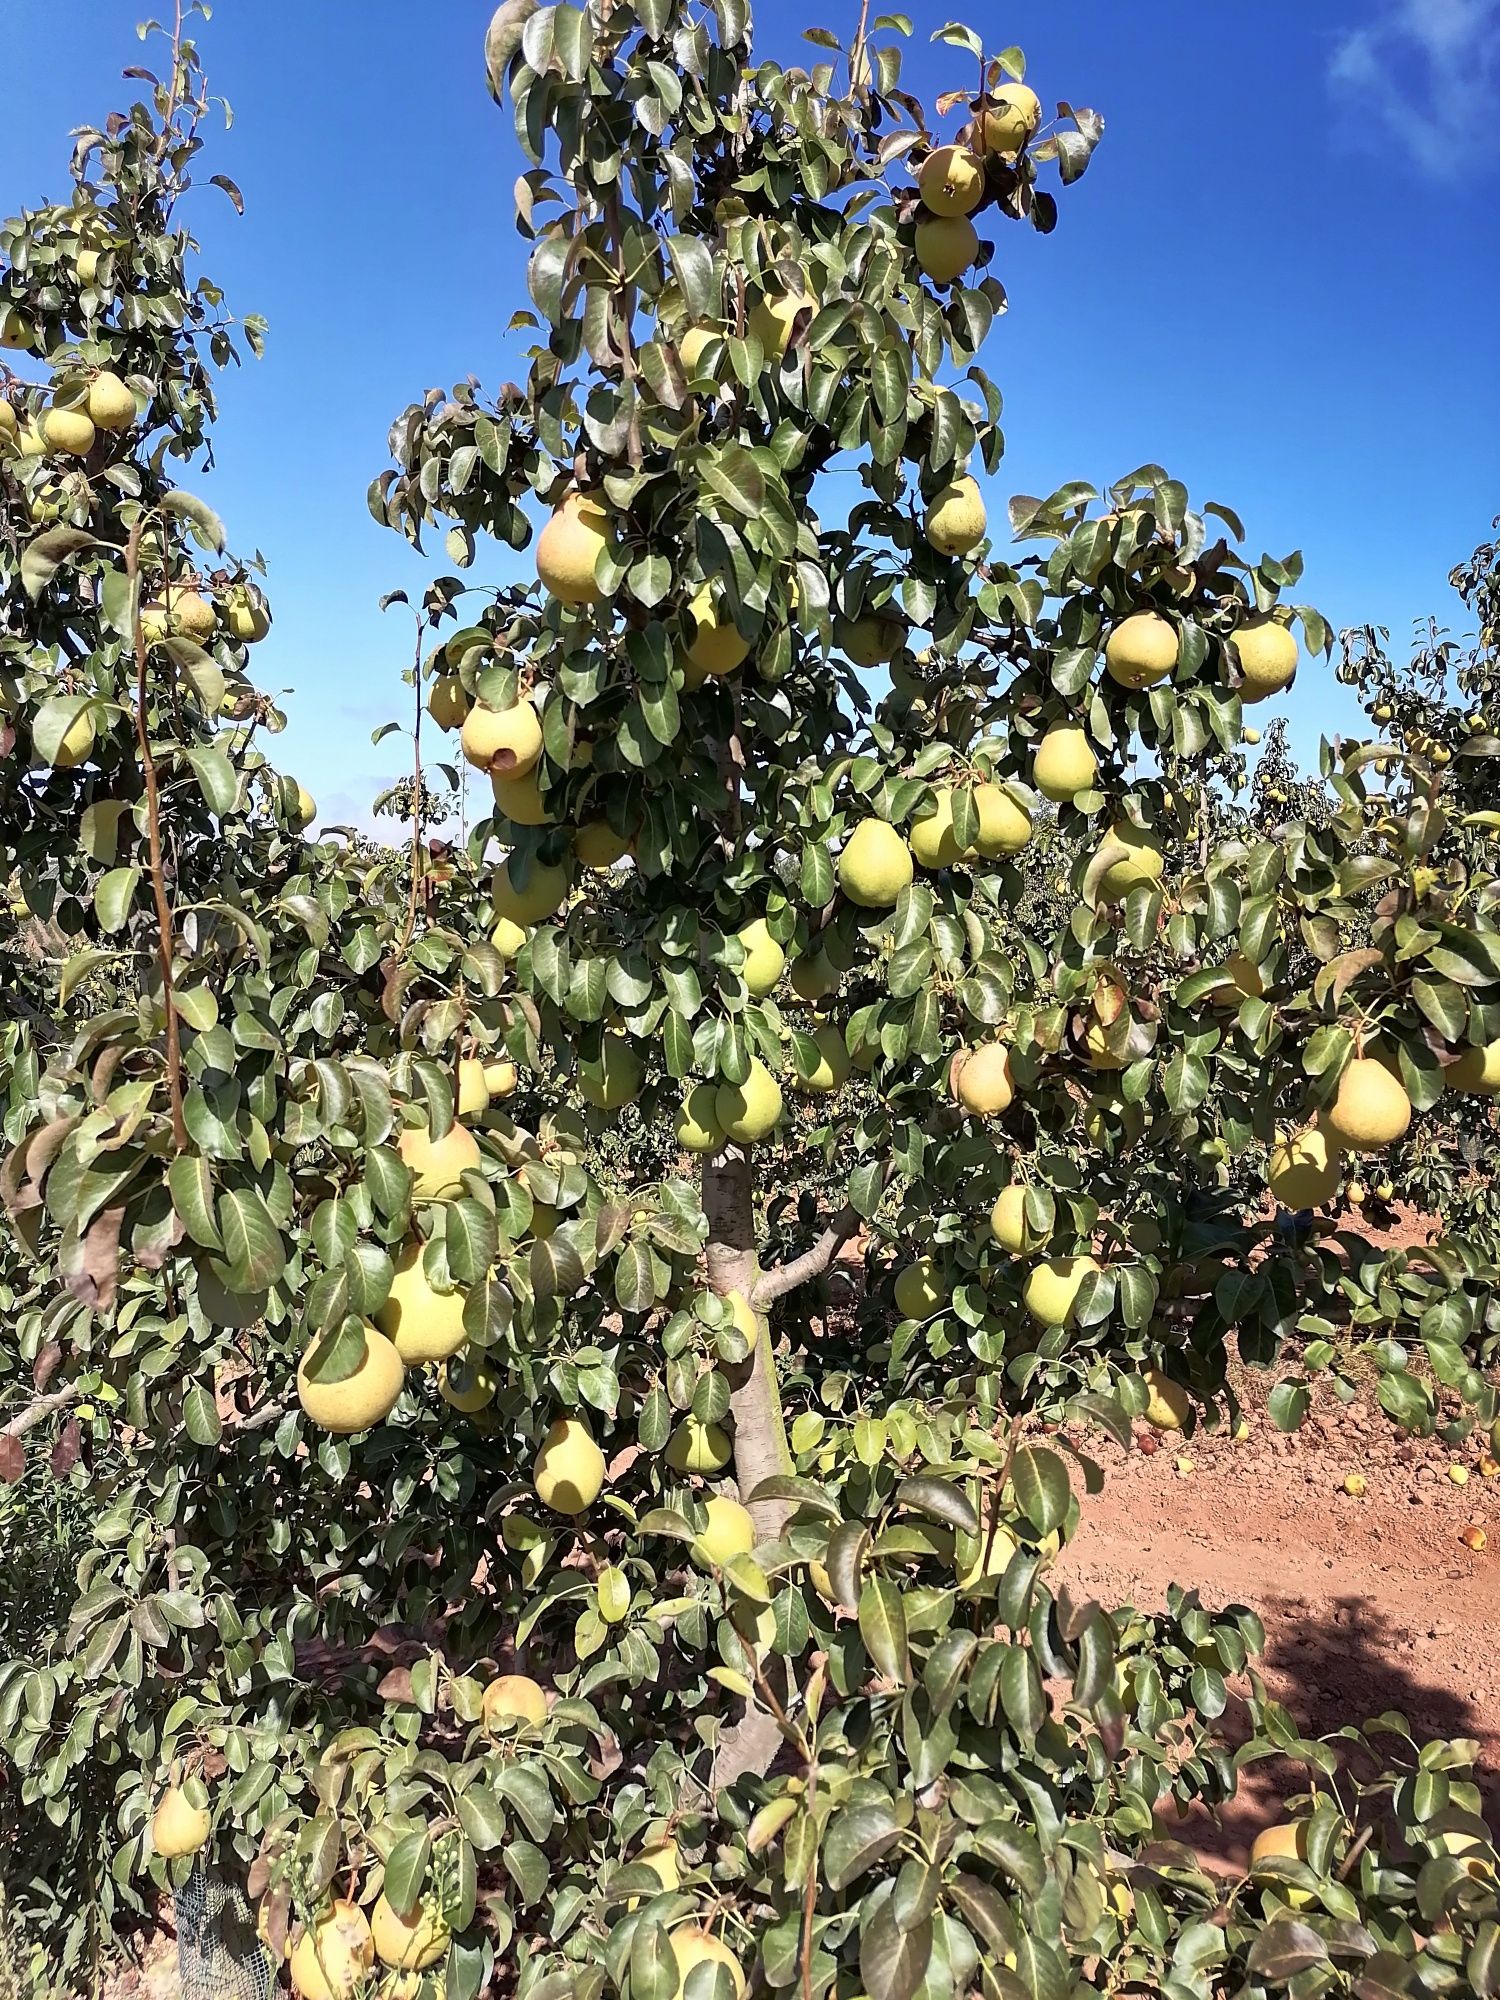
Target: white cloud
[[1423, 75]]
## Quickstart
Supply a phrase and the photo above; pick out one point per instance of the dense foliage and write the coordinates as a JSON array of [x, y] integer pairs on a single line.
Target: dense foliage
[[409, 1248]]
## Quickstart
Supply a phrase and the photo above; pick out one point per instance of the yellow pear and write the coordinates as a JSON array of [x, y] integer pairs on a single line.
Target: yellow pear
[[661, 1857], [1268, 658], [1065, 764], [1242, 981], [1007, 119], [597, 845], [1052, 1288], [569, 547], [697, 1128], [504, 741], [748, 1112], [985, 1084], [70, 432], [771, 323], [178, 1827], [360, 1400], [832, 1072], [507, 937], [615, 1078], [814, 977], [933, 840], [334, 1956], [1134, 857], [728, 1532], [528, 893], [875, 865], [569, 1470], [920, 1290], [77, 743], [718, 646], [447, 703], [1141, 650], [14, 332], [306, 809], [871, 640], [500, 1080], [111, 402], [9, 425], [246, 615], [473, 1094], [1004, 825], [1304, 1169], [764, 958], [438, 1164], [1370, 1108], [698, 1447], [946, 246], [1169, 1405], [408, 1944], [423, 1324], [520, 800], [951, 181], [1476, 1071], [466, 1383], [514, 1698], [1008, 1223], [956, 519], [693, 345], [692, 1947]]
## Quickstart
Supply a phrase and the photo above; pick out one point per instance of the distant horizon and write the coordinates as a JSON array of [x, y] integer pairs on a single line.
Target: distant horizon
[[1270, 289]]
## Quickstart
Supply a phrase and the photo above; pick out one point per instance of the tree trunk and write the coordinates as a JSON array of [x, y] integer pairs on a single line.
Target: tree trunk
[[760, 1443]]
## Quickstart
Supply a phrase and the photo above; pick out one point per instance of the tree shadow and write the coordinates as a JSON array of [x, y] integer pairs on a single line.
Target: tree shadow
[[1346, 1663]]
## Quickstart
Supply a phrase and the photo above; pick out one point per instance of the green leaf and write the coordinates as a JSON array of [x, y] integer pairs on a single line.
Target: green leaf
[[1042, 1487], [207, 528], [882, 1626], [482, 1817], [406, 1871], [857, 1838], [44, 555], [254, 1253], [892, 1961], [942, 1501], [190, 1184], [217, 779], [200, 1416], [113, 896]]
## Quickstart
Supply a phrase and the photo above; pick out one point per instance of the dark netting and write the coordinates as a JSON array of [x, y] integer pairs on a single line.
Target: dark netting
[[219, 1957]]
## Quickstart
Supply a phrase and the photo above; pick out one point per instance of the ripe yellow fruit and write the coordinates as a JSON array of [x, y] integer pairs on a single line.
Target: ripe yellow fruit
[[1477, 1070], [409, 1944], [447, 703], [946, 246], [111, 403], [693, 345], [306, 809], [718, 646], [615, 1078], [514, 1698], [184, 613], [569, 548], [178, 1827], [473, 1094], [1370, 1108], [698, 1447], [1133, 856], [933, 839], [1268, 658], [597, 845], [9, 425], [569, 1470], [1304, 1169], [520, 800], [728, 1532], [503, 741], [985, 1084], [920, 1290], [1051, 1290], [70, 432], [747, 1112], [1169, 1405], [1065, 764], [334, 1956], [507, 938], [360, 1400], [14, 332], [1004, 824], [692, 1947], [423, 1324], [246, 615], [832, 1072], [697, 1129], [993, 1548], [1008, 1223], [500, 1080], [466, 1383], [771, 323], [1286, 1841], [951, 181], [1007, 119], [77, 742], [956, 519], [869, 640], [764, 958], [814, 977], [531, 895], [438, 1164], [661, 1857], [1242, 981], [1141, 650], [875, 865]]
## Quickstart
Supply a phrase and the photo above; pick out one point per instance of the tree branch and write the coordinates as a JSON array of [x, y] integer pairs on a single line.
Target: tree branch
[[783, 1278], [43, 1407]]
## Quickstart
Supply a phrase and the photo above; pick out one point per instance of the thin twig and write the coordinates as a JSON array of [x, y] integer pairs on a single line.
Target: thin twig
[[416, 799], [166, 942], [37, 1412], [783, 1278]]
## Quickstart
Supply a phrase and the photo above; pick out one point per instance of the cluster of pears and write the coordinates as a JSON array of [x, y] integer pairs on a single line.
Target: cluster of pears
[[69, 428], [952, 180], [1143, 650]]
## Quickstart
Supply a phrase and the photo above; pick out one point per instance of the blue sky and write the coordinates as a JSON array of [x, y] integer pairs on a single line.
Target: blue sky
[[1280, 279]]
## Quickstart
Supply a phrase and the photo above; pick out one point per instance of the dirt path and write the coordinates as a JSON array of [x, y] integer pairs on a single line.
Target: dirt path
[[1369, 1604]]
